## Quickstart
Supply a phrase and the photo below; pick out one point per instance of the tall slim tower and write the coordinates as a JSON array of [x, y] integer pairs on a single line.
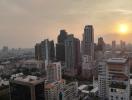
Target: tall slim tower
[[88, 41], [101, 44], [113, 45], [60, 46], [72, 52]]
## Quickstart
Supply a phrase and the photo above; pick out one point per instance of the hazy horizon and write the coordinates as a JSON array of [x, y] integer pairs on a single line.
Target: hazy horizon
[[24, 23]]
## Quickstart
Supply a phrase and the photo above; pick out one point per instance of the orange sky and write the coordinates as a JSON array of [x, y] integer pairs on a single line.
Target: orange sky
[[23, 23]]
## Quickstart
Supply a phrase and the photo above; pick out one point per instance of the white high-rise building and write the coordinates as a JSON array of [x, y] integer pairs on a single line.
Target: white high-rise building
[[118, 79], [102, 80]]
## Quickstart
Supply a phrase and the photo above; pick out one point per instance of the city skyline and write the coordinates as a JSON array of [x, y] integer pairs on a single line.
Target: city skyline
[[23, 23]]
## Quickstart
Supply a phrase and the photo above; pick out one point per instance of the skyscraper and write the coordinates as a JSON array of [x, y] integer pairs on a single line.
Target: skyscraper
[[88, 41], [38, 55], [113, 46], [45, 50], [60, 46], [123, 45], [62, 36], [72, 53], [102, 80], [88, 51], [87, 67], [101, 44]]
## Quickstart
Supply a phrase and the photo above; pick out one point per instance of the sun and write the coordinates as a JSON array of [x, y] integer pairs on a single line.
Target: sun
[[123, 28]]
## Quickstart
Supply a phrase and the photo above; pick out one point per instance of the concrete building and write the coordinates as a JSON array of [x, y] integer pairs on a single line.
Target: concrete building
[[123, 45], [72, 54], [118, 79], [45, 50], [32, 64], [101, 44], [60, 46], [87, 67], [26, 88], [102, 80], [114, 46], [69, 92], [38, 52], [52, 90], [54, 72], [88, 41]]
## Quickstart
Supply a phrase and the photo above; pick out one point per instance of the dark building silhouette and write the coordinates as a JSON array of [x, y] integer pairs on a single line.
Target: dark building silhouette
[[62, 36], [72, 53], [60, 46], [38, 51], [60, 52], [88, 41], [27, 90], [101, 44], [52, 50], [45, 50]]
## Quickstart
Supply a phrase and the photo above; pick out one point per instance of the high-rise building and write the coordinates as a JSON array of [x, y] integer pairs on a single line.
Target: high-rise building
[[69, 92], [123, 45], [52, 50], [118, 79], [102, 80], [88, 41], [62, 36], [5, 49], [72, 53], [101, 44], [60, 52], [52, 90], [113, 46], [60, 46], [27, 88], [87, 67], [38, 51], [45, 50], [54, 72]]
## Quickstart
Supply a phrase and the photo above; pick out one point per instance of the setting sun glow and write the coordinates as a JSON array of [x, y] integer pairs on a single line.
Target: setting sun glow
[[123, 28]]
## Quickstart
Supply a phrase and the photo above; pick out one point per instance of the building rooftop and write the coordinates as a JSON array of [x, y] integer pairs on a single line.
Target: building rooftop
[[49, 86], [130, 81], [82, 87], [117, 60], [33, 61], [94, 90], [27, 80]]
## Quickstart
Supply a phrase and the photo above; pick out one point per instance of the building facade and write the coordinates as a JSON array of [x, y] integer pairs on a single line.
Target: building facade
[[27, 88], [72, 53], [118, 78], [60, 46], [88, 41], [54, 72], [102, 80], [45, 50]]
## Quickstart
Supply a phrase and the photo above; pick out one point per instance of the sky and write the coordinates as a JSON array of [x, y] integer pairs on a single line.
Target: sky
[[23, 23]]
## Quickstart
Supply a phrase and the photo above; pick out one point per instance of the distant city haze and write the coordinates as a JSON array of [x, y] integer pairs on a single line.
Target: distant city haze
[[26, 22]]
